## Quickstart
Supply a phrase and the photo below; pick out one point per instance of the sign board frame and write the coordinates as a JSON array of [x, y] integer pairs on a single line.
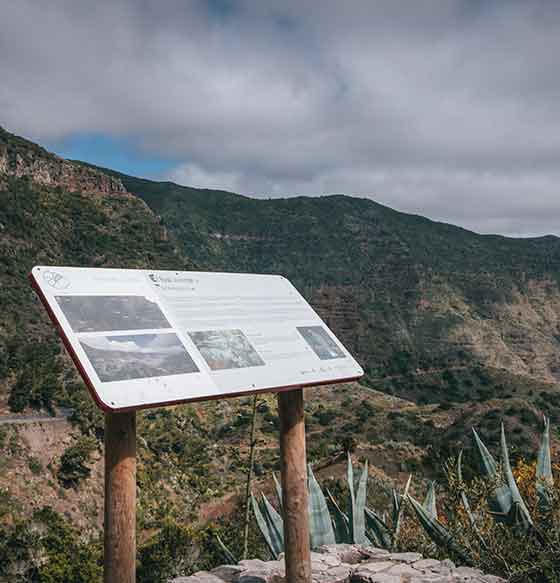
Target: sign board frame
[[54, 286]]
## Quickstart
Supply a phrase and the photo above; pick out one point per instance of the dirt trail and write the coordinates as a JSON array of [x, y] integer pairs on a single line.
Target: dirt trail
[[23, 419]]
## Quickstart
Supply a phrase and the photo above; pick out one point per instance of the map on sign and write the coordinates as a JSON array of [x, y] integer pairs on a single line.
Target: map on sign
[[144, 338]]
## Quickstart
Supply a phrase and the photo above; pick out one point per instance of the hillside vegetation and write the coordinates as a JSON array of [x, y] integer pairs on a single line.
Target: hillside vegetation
[[405, 294], [455, 329]]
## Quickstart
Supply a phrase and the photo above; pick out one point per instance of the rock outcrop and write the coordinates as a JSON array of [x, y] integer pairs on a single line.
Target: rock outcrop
[[20, 158], [349, 564]]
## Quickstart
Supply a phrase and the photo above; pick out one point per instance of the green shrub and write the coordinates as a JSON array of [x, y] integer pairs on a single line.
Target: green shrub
[[35, 466], [365, 410], [170, 553], [325, 416], [46, 549], [74, 462]]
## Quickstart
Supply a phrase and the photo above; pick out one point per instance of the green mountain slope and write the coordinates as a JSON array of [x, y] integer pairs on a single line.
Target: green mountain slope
[[411, 297]]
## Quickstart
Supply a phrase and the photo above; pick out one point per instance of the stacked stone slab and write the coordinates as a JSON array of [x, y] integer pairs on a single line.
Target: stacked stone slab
[[349, 564]]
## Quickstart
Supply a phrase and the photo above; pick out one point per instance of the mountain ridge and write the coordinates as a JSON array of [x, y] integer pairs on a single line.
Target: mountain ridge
[[415, 265], [334, 195]]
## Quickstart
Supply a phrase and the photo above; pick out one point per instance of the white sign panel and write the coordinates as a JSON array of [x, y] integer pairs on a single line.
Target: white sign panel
[[144, 338]]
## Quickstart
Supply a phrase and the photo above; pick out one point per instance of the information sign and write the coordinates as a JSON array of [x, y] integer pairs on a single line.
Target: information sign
[[143, 338]]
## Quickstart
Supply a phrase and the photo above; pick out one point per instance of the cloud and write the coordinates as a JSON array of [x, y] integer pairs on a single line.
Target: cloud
[[446, 108], [193, 175]]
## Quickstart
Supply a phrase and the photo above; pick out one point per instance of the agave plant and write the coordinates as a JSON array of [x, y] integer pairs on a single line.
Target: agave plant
[[505, 501], [362, 525], [380, 531], [323, 529], [271, 525], [328, 524], [437, 531]]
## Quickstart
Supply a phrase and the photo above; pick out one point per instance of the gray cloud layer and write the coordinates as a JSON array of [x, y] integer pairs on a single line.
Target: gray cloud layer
[[445, 108]]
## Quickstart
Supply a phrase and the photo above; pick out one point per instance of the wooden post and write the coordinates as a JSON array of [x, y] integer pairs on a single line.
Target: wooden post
[[120, 498], [294, 486]]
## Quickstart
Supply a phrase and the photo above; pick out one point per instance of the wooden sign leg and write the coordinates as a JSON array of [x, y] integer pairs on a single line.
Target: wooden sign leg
[[120, 498], [294, 486]]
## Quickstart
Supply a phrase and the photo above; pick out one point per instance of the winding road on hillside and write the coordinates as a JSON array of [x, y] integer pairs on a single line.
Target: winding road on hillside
[[23, 419]]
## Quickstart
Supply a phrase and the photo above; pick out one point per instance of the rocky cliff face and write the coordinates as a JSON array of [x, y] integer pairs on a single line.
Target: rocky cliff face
[[20, 158]]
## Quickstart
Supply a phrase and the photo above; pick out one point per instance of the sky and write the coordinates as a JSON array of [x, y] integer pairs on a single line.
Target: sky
[[444, 108]]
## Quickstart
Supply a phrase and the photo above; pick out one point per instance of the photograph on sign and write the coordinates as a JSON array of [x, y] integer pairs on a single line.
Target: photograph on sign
[[320, 342], [142, 338], [107, 313], [118, 358], [224, 349]]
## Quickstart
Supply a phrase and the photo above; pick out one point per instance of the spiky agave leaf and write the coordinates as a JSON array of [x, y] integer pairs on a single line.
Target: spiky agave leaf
[[397, 519], [278, 490], [340, 521], [395, 505], [359, 525], [227, 553], [501, 500], [514, 490], [545, 479], [275, 544], [273, 519], [489, 465], [357, 505], [464, 499], [320, 524], [437, 531], [430, 505], [351, 497], [377, 530]]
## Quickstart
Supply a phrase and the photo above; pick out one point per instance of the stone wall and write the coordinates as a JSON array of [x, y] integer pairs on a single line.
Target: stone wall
[[349, 564]]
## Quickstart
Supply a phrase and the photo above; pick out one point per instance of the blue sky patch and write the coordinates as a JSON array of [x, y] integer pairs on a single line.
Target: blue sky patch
[[115, 153]]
